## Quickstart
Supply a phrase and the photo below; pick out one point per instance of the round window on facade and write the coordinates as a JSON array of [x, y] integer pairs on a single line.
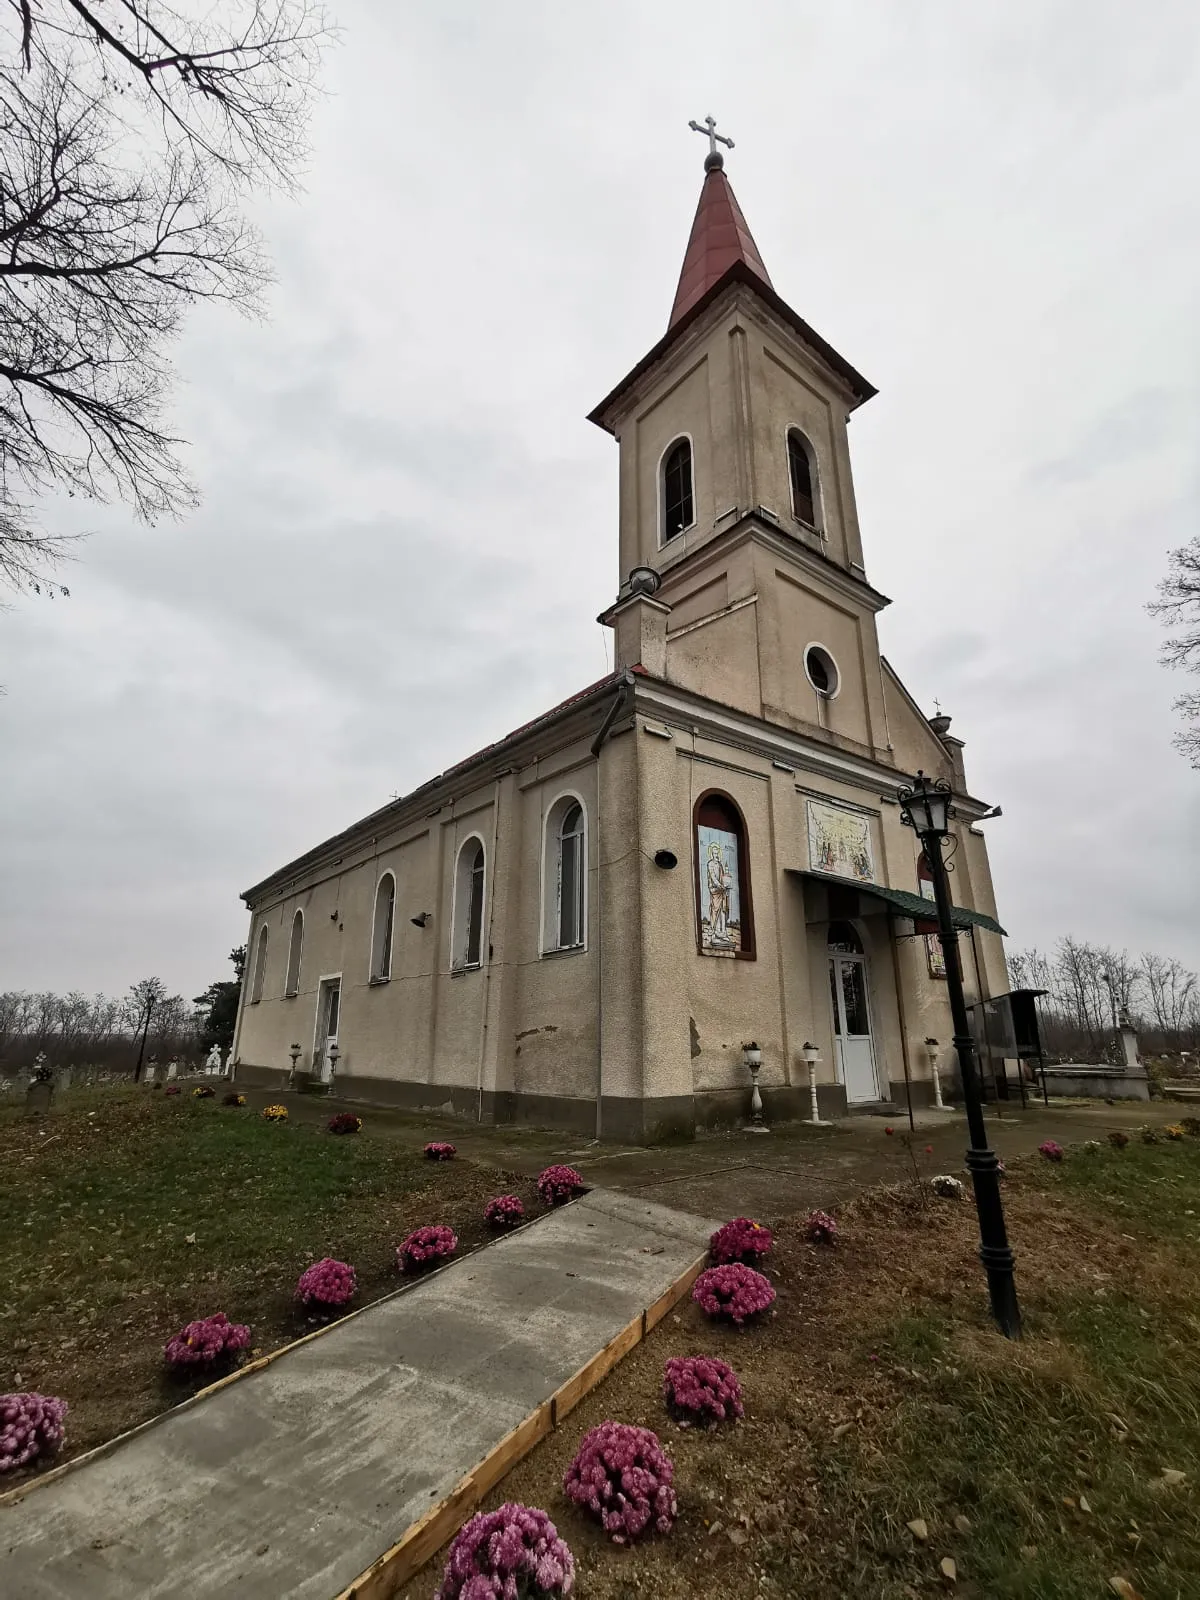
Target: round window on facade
[[822, 671]]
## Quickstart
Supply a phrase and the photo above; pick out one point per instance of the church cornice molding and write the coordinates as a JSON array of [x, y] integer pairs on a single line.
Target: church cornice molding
[[685, 711], [760, 526], [739, 288]]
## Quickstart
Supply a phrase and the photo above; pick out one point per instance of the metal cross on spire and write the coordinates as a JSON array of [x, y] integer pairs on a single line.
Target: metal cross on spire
[[714, 160]]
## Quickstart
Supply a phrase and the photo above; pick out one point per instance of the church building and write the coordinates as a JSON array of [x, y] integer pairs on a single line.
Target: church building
[[584, 924]]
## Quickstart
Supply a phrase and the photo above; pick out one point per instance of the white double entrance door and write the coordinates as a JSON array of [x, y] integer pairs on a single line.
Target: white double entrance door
[[852, 1027]]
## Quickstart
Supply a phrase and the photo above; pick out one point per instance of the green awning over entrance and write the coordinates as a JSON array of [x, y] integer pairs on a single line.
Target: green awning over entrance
[[908, 905]]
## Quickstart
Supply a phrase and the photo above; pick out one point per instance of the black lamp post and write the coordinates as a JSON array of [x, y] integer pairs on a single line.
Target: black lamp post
[[926, 808]]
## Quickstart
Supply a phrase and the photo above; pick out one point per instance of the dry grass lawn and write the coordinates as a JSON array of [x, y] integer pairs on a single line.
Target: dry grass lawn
[[878, 1396], [127, 1213]]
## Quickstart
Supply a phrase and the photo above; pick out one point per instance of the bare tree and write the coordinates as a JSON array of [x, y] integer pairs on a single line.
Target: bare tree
[[1178, 604], [128, 133], [1170, 992]]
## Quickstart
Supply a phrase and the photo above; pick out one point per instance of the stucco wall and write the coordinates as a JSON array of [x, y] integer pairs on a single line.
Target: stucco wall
[[523, 1023]]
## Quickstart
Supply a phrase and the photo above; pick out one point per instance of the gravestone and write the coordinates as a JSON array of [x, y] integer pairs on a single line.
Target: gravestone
[[213, 1064], [40, 1092]]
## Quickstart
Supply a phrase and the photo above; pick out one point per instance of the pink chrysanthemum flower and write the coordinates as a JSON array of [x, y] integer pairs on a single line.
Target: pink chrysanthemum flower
[[558, 1184], [734, 1291], [424, 1245], [699, 1390], [500, 1555], [743, 1240], [206, 1342], [31, 1426], [505, 1211], [623, 1477], [326, 1284]]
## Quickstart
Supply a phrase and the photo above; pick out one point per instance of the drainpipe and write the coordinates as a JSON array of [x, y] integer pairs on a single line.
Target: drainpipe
[[619, 699]]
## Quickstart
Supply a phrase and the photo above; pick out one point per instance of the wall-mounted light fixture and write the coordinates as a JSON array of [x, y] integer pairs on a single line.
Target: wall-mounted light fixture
[[666, 859], [422, 920]]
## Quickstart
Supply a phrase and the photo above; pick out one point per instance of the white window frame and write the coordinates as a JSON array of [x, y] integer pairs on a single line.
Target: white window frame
[[817, 525], [552, 874], [381, 971], [258, 976], [823, 694], [460, 914], [660, 485], [291, 981]]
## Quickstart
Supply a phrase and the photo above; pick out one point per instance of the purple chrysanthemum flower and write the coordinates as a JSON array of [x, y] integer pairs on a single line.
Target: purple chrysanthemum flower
[[206, 1342], [558, 1184], [821, 1227], [505, 1211], [623, 1477], [424, 1245], [31, 1426], [326, 1283], [743, 1240], [500, 1555], [700, 1389], [734, 1291]]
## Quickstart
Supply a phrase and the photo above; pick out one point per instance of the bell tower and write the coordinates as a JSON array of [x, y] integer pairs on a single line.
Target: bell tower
[[736, 490]]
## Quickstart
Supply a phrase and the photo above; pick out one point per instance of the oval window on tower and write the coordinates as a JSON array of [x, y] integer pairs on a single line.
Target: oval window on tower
[[822, 671]]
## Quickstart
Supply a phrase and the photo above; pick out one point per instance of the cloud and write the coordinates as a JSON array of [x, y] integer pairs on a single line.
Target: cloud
[[408, 525]]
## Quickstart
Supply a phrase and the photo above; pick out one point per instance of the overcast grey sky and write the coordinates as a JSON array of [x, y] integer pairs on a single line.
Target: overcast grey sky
[[408, 526]]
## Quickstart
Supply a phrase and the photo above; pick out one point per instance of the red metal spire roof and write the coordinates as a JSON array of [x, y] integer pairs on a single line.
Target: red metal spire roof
[[719, 238]]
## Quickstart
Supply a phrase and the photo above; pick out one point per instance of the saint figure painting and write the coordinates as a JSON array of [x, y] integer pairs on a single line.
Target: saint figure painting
[[720, 909]]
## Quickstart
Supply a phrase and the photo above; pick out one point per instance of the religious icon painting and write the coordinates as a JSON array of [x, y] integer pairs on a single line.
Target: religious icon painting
[[839, 842], [720, 903], [934, 953]]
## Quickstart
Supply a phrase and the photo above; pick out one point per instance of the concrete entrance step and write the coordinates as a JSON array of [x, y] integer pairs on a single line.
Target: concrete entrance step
[[295, 1479]]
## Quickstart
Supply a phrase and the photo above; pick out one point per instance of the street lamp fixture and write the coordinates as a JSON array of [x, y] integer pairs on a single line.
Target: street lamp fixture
[[925, 807]]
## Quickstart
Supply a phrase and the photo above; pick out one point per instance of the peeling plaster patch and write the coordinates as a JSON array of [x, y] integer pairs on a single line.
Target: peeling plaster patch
[[694, 1031]]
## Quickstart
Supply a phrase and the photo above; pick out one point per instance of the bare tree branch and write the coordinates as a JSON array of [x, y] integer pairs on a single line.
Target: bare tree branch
[[119, 210], [1178, 604]]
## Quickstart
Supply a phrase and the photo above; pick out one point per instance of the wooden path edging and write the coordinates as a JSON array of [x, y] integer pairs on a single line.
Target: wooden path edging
[[385, 1577]]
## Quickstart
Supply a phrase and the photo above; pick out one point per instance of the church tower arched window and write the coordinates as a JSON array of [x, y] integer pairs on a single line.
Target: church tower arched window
[[678, 494], [724, 909], [803, 477]]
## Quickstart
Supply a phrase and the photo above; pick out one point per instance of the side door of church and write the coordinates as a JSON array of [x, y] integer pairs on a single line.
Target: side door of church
[[328, 1010], [852, 1027]]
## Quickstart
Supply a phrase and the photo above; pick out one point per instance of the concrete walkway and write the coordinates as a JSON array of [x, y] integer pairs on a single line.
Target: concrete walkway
[[294, 1479]]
